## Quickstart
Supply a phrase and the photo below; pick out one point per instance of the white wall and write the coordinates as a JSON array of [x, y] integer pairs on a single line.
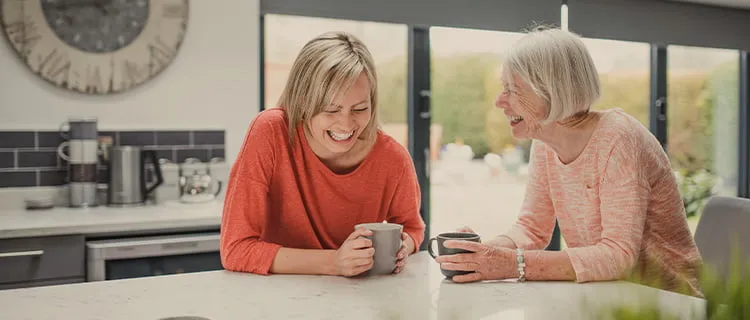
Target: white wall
[[213, 83]]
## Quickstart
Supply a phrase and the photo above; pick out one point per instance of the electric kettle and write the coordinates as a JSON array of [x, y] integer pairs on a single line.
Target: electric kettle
[[127, 175]]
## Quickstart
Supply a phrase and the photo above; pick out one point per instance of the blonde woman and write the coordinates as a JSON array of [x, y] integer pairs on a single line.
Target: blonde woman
[[601, 174], [315, 167]]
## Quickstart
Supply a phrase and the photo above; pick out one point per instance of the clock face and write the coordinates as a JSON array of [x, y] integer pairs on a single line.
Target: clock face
[[95, 46]]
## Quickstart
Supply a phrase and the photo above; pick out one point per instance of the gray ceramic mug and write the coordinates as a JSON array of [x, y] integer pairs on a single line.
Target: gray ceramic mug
[[386, 239], [442, 250]]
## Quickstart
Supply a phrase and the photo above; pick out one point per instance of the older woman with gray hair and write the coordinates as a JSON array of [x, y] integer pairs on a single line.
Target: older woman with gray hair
[[601, 174]]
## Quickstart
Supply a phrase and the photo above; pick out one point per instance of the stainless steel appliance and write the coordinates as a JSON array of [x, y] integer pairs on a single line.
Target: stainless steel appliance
[[136, 257], [128, 177]]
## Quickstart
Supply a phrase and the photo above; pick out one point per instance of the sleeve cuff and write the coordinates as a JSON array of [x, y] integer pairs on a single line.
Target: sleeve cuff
[[268, 253], [520, 239], [583, 273]]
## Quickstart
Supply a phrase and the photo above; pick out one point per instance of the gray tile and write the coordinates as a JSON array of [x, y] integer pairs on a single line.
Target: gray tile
[[173, 138], [136, 138], [49, 139], [201, 154], [17, 179], [37, 159], [53, 178], [17, 139], [7, 159], [208, 137], [217, 152]]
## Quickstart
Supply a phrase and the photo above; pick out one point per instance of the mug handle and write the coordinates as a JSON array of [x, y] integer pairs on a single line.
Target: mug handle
[[60, 151], [429, 248]]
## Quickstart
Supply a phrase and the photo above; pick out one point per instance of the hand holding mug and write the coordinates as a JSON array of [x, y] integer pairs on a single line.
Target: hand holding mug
[[355, 255], [402, 253], [479, 262]]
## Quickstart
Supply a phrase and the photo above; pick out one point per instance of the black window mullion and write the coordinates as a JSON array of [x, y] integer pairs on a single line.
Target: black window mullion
[[418, 115]]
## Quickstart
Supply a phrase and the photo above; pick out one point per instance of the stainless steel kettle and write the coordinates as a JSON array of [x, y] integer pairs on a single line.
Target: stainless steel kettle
[[127, 175]]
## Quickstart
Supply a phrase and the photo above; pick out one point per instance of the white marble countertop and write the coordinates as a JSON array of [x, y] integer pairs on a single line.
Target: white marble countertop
[[420, 292], [103, 219]]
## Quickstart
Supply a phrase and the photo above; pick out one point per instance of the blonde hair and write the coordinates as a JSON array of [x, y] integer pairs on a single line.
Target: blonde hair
[[558, 68], [327, 65]]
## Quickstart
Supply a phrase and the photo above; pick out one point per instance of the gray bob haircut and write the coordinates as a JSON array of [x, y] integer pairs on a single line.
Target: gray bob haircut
[[558, 68], [326, 66]]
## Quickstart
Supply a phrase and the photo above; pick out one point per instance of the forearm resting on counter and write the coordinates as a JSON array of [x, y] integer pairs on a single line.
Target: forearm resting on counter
[[304, 261]]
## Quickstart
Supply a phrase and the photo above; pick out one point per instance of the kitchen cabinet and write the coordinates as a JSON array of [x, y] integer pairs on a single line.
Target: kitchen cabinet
[[63, 259], [36, 261]]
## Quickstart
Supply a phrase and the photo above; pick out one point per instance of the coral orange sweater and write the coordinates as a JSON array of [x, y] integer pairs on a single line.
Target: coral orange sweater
[[283, 195]]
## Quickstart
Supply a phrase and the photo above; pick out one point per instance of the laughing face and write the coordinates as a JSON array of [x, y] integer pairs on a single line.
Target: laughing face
[[335, 130], [525, 110]]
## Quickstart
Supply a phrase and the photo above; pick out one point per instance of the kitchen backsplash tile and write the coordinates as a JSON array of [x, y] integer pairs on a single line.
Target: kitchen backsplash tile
[[52, 178], [208, 137], [17, 179], [17, 139], [29, 158], [217, 153], [37, 159], [49, 139], [7, 159], [173, 138], [137, 138], [201, 154]]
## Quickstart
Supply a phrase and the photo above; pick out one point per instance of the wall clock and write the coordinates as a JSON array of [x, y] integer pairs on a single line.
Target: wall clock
[[95, 46]]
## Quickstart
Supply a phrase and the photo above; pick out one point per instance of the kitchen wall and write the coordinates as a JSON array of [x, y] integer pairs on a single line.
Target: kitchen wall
[[212, 85]]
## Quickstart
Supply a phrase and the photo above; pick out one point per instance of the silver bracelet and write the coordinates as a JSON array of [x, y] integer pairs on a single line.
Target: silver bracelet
[[521, 265]]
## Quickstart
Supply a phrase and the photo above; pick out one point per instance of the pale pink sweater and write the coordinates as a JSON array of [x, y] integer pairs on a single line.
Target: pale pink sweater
[[618, 207]]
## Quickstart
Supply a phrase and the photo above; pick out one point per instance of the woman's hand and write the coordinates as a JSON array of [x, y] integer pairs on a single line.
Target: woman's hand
[[486, 262], [355, 254], [403, 254]]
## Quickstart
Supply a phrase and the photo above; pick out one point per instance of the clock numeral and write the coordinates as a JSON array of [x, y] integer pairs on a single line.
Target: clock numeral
[[54, 64], [175, 11], [130, 73], [24, 35], [159, 55], [56, 69], [94, 80]]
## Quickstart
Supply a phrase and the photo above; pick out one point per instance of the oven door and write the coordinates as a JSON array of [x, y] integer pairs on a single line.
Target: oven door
[[152, 256]]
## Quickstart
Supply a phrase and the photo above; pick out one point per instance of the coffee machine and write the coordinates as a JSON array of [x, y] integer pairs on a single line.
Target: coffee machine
[[128, 175]]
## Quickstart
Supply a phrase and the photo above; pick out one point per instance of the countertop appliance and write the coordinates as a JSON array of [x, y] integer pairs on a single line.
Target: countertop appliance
[[196, 183], [135, 257], [128, 177]]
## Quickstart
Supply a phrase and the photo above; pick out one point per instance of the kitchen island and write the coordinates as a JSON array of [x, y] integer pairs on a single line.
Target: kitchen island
[[420, 292]]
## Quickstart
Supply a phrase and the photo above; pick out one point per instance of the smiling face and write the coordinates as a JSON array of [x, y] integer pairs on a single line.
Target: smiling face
[[524, 108], [337, 128]]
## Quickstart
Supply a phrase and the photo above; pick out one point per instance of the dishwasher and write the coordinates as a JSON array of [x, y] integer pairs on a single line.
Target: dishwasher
[[136, 257]]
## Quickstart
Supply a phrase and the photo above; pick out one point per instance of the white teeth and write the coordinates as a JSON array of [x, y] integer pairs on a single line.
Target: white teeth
[[340, 136], [515, 118]]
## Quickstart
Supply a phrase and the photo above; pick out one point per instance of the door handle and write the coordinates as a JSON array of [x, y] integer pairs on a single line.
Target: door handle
[[32, 253]]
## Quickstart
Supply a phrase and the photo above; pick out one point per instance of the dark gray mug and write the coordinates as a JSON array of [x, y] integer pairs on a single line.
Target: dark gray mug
[[386, 239], [443, 251]]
